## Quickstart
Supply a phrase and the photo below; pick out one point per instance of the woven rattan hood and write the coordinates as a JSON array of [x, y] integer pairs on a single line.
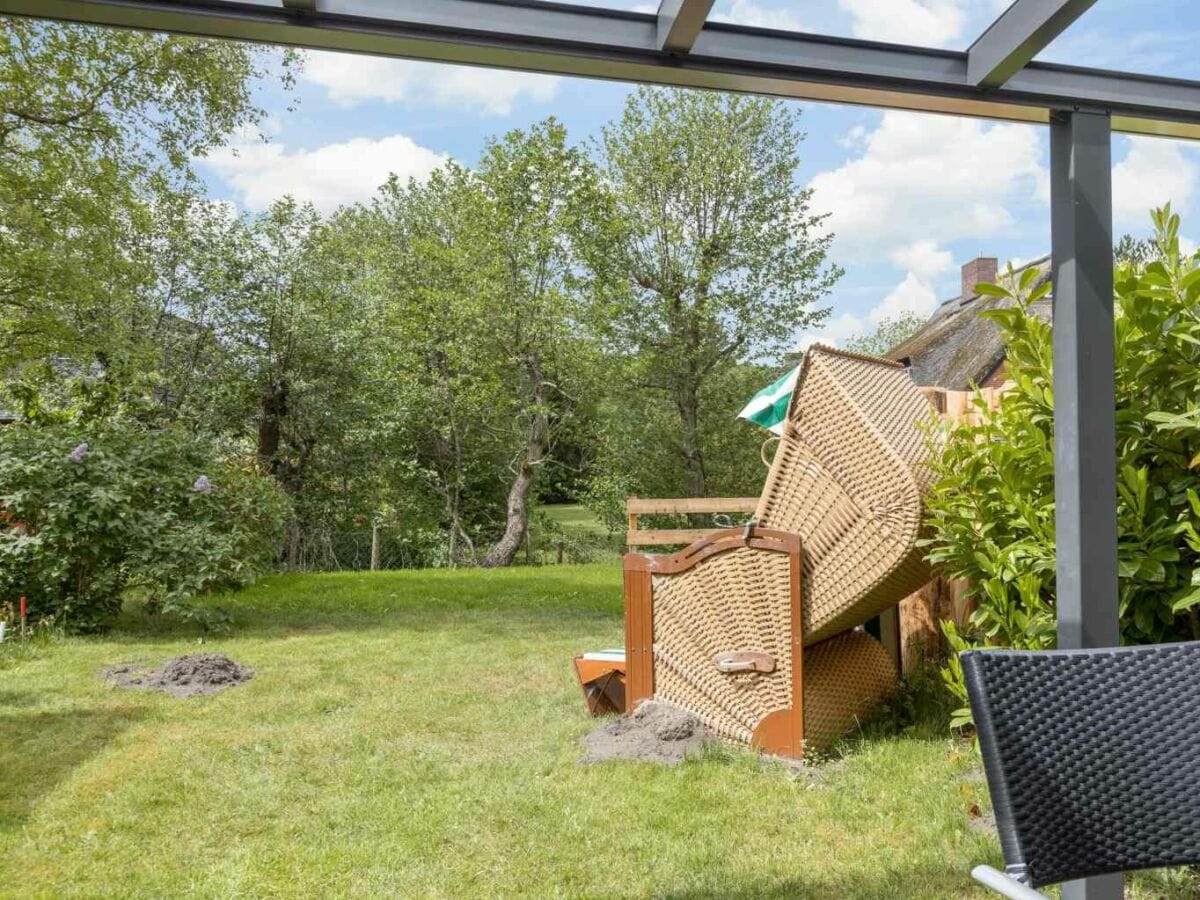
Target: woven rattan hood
[[849, 476]]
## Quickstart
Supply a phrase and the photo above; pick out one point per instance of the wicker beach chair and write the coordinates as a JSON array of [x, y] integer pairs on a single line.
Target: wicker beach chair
[[1091, 762], [756, 630]]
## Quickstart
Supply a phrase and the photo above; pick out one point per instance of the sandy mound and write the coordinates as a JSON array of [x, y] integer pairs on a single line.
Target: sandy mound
[[184, 676], [655, 733]]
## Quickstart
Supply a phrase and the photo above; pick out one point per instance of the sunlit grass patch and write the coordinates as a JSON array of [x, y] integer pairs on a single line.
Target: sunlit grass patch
[[417, 734]]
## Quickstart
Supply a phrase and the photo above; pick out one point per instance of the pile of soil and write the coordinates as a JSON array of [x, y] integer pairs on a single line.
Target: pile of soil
[[657, 732], [184, 676]]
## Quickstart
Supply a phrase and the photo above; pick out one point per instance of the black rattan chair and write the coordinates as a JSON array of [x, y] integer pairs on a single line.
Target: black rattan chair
[[1092, 760]]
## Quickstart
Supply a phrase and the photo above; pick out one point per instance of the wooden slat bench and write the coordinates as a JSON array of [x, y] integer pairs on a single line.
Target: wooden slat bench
[[636, 507]]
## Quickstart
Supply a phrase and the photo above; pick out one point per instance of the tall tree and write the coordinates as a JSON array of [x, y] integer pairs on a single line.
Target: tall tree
[[535, 187], [706, 255], [276, 347], [435, 285], [97, 131], [482, 271]]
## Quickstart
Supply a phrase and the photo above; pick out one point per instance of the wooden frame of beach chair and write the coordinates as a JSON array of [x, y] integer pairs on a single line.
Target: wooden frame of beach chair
[[601, 678]]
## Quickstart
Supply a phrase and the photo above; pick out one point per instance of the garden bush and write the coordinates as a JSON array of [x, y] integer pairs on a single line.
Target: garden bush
[[92, 514], [992, 509]]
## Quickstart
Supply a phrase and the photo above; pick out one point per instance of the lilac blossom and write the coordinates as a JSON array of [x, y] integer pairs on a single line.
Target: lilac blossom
[[202, 485], [77, 455]]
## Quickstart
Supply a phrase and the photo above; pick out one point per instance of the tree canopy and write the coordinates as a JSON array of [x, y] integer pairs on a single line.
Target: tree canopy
[[563, 319]]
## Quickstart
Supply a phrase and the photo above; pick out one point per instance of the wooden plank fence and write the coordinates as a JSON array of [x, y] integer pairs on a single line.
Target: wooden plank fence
[[920, 614]]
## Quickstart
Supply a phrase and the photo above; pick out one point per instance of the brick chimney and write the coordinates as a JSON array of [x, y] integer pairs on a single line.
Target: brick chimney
[[980, 270]]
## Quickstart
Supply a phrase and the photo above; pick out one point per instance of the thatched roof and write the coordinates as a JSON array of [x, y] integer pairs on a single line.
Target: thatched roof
[[957, 349]]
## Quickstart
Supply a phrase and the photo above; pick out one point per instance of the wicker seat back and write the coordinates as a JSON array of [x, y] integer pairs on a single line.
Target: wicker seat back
[[1091, 757], [848, 477]]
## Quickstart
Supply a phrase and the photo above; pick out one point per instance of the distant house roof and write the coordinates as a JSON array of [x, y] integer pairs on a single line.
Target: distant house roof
[[957, 349]]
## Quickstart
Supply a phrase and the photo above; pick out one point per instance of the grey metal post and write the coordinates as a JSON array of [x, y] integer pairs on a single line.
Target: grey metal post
[[1085, 442]]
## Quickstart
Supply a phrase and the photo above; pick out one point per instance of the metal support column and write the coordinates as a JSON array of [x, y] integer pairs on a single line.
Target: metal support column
[[1085, 444]]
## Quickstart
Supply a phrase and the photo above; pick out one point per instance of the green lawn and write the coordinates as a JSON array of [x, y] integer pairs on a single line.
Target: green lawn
[[415, 734], [574, 517], [582, 535]]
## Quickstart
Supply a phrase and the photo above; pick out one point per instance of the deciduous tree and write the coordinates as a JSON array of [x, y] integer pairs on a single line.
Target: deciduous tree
[[706, 253]]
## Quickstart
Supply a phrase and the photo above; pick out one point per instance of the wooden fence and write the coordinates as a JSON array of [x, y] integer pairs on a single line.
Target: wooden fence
[[920, 615]]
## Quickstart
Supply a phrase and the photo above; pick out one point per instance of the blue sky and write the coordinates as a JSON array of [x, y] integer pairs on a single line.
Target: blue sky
[[910, 196]]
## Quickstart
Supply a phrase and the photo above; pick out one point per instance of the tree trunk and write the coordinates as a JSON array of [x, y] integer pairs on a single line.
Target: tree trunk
[[689, 440], [517, 520], [273, 409]]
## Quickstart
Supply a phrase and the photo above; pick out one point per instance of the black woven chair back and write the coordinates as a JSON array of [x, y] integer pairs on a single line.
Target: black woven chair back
[[1092, 757]]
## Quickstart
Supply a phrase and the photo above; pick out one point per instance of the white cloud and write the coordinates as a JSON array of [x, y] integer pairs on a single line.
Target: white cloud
[[922, 258], [350, 79], [927, 23], [327, 176], [834, 332], [930, 177], [1154, 172], [747, 12], [914, 295], [914, 184]]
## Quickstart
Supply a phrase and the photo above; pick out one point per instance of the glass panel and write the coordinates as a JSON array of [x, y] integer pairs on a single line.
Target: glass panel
[[813, 16], [925, 23], [648, 6], [1133, 36]]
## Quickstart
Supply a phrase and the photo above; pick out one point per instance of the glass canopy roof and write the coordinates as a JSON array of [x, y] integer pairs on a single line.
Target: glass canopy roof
[[931, 55]]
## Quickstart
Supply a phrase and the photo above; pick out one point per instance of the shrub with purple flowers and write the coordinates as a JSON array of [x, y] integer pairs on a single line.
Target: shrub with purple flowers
[[89, 518]]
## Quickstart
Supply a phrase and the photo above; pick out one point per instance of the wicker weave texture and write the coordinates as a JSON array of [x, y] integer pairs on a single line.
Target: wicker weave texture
[[849, 476], [1092, 757], [845, 678], [739, 600]]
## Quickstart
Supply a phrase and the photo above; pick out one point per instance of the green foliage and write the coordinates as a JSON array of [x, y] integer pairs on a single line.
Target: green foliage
[[992, 508], [637, 449], [1133, 251], [97, 131], [888, 333], [435, 362], [703, 255], [920, 707], [22, 646], [605, 496], [474, 274], [288, 350], [92, 513]]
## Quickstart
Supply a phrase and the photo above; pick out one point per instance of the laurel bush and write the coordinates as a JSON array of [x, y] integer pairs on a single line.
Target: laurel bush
[[992, 508]]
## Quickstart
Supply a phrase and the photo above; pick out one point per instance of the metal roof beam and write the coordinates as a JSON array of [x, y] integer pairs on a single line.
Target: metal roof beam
[[596, 42], [1019, 34], [679, 23]]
